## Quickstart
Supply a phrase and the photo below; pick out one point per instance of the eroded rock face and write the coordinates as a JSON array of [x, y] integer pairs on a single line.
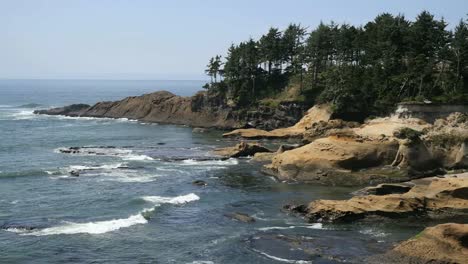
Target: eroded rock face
[[333, 160], [439, 196], [315, 114], [444, 243], [242, 149], [334, 127], [201, 110]]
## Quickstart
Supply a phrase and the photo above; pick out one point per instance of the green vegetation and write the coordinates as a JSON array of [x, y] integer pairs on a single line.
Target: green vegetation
[[365, 69], [407, 133]]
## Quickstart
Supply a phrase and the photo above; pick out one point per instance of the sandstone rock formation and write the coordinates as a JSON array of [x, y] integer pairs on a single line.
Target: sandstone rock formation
[[333, 160], [381, 150], [444, 243], [442, 195], [315, 114]]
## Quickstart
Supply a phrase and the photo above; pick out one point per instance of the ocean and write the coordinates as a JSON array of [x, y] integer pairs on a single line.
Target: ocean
[[134, 201]]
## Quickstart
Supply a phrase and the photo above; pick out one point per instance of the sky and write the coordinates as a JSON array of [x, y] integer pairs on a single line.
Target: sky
[[163, 39]]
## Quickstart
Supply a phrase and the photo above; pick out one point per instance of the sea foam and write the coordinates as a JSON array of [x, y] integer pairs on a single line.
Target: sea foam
[[101, 227]]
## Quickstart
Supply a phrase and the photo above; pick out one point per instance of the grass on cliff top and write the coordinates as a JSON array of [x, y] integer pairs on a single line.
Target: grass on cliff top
[[291, 93]]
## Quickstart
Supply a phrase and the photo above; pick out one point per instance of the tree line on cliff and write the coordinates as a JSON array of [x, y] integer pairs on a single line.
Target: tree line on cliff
[[366, 68]]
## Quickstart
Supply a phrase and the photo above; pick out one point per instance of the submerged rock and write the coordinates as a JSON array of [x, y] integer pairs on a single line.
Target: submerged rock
[[75, 173], [441, 195], [199, 183], [323, 246], [241, 150], [444, 243], [241, 217]]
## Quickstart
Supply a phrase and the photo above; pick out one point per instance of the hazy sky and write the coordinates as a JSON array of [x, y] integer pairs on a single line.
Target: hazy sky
[[165, 39]]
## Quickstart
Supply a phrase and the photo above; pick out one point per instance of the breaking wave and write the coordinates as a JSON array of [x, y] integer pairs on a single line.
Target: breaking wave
[[172, 200], [101, 227], [193, 162], [282, 259], [313, 226]]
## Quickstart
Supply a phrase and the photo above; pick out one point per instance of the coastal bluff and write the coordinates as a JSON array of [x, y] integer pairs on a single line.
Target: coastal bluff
[[199, 110]]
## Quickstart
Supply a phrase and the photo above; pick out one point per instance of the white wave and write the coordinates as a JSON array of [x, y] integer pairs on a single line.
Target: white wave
[[313, 226], [123, 176], [137, 157], [282, 259], [99, 227], [89, 118], [98, 167], [172, 200], [23, 115], [94, 151], [193, 162], [125, 154], [5, 106], [373, 232], [201, 262]]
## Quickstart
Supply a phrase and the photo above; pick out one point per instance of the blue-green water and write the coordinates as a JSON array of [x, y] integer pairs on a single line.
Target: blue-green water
[[134, 201]]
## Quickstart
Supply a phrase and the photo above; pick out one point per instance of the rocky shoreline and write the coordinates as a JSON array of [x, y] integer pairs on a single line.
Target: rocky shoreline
[[396, 156], [201, 110]]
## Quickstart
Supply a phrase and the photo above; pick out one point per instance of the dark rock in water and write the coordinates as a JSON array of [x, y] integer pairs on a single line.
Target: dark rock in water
[[71, 110], [161, 143], [20, 227], [296, 208], [241, 217], [386, 188], [199, 183], [98, 150], [199, 130], [75, 173], [241, 150]]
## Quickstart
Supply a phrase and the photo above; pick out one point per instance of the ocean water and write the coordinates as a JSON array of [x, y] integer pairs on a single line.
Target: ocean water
[[134, 201]]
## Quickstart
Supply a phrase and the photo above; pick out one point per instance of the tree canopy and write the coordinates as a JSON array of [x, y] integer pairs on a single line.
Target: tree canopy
[[365, 68]]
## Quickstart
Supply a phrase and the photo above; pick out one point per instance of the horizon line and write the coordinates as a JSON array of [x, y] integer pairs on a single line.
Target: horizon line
[[93, 79]]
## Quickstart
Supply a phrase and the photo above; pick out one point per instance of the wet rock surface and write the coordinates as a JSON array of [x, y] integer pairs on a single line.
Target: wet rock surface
[[241, 217], [242, 149], [434, 199]]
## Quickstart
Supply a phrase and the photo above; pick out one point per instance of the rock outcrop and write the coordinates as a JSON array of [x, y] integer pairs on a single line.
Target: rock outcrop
[[241, 217], [381, 150], [201, 110], [315, 114], [440, 196], [336, 161], [444, 243], [241, 150]]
